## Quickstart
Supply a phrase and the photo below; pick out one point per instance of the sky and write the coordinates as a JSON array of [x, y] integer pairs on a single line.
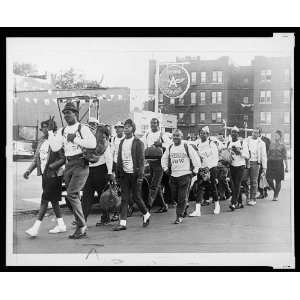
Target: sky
[[124, 61]]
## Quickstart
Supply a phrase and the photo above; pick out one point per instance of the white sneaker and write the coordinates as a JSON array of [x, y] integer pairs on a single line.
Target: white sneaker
[[33, 231], [217, 209], [58, 229], [251, 202], [195, 214]]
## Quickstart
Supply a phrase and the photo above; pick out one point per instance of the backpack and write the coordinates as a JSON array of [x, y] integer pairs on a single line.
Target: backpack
[[154, 152], [187, 153], [88, 154]]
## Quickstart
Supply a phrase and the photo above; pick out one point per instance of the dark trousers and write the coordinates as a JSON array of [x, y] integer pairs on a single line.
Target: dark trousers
[[52, 188], [223, 185], [156, 174], [130, 187], [76, 174], [251, 175], [261, 191], [180, 187], [96, 181], [236, 181]]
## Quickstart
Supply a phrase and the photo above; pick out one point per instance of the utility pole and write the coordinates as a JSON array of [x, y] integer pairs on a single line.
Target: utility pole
[[156, 87]]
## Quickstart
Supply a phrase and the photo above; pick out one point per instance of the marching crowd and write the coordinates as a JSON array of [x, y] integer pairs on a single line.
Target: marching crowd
[[87, 158]]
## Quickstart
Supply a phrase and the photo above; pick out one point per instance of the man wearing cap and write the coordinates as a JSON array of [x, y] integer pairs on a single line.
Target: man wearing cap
[[239, 154], [155, 138], [209, 155], [77, 169]]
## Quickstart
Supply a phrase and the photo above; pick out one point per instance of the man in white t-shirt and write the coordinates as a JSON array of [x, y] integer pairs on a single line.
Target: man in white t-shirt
[[77, 169], [239, 154], [258, 157], [155, 138], [209, 155], [115, 142], [181, 161], [130, 173]]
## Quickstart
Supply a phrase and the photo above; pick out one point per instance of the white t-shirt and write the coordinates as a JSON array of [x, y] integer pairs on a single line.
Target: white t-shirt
[[126, 155], [209, 153], [105, 158], [151, 137], [237, 160], [253, 148], [44, 151], [115, 147], [58, 141]]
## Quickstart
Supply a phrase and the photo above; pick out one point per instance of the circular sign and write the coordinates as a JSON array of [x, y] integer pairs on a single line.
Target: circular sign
[[174, 81]]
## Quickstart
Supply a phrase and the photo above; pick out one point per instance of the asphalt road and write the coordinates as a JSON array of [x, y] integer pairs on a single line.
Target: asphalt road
[[265, 227]]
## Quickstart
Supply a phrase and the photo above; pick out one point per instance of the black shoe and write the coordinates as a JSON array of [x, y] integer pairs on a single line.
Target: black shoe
[[205, 203], [161, 210], [119, 228], [79, 233], [232, 207], [261, 196], [178, 220], [239, 205], [145, 224], [115, 218]]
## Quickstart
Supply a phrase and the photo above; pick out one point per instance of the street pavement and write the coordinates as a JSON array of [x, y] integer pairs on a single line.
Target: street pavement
[[265, 227]]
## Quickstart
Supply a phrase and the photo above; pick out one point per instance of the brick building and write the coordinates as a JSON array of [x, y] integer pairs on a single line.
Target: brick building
[[254, 95], [272, 95], [206, 101]]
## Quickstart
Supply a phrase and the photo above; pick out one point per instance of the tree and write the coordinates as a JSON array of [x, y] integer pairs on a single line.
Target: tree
[[24, 69]]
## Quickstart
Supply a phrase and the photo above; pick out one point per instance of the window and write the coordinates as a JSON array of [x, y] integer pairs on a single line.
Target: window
[[262, 97], [172, 101], [286, 96], [216, 117], [246, 80], [202, 97], [266, 75], [194, 77], [202, 117], [219, 97], [181, 101], [265, 117], [245, 100], [217, 77], [180, 116], [214, 97], [193, 98], [286, 138], [286, 117], [246, 118], [265, 97], [193, 118], [286, 75], [268, 97], [203, 77]]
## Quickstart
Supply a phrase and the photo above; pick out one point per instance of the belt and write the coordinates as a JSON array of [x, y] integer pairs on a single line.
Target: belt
[[74, 157]]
